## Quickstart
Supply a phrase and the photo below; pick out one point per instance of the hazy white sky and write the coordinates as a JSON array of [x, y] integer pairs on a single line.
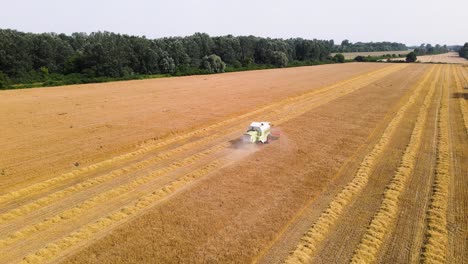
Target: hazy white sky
[[411, 21]]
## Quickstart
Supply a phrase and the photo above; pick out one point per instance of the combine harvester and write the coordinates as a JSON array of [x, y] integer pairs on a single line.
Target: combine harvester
[[259, 132]]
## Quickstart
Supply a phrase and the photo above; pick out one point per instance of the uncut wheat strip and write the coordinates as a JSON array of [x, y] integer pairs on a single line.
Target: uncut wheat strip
[[153, 146], [383, 221], [354, 87], [53, 250], [56, 196], [463, 104], [79, 209], [383, 71], [307, 95], [434, 249], [306, 248]]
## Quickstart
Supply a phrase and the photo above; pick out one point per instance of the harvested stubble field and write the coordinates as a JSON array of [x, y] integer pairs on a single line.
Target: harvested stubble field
[[370, 167], [449, 57]]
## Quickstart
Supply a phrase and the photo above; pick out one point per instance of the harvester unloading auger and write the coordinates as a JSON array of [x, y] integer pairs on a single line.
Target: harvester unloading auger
[[259, 132]]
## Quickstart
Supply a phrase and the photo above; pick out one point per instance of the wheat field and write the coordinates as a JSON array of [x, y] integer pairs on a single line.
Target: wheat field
[[369, 167]]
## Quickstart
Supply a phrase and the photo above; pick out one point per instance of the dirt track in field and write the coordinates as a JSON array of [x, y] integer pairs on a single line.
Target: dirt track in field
[[380, 144]]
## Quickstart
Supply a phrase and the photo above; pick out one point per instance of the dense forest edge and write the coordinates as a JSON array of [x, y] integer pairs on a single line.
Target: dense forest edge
[[50, 59], [463, 52]]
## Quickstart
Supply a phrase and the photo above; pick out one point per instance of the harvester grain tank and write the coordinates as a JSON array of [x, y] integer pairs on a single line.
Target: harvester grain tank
[[258, 132]]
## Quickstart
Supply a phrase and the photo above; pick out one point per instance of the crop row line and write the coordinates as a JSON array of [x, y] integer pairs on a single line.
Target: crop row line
[[56, 196], [434, 249], [307, 247], [79, 209], [54, 249], [383, 221]]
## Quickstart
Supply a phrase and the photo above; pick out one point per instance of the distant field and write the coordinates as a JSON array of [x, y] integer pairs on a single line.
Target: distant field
[[352, 55], [449, 57]]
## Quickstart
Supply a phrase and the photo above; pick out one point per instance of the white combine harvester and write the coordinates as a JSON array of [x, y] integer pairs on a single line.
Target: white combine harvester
[[258, 132]]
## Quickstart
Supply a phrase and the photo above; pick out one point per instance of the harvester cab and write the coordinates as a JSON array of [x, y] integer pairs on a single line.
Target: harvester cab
[[258, 132]]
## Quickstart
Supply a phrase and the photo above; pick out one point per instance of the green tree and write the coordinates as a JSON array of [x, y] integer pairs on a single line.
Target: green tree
[[44, 71], [339, 58], [247, 50], [213, 64], [177, 52], [107, 54], [411, 57], [166, 64], [144, 57], [279, 59], [228, 48], [463, 52], [360, 58], [4, 80]]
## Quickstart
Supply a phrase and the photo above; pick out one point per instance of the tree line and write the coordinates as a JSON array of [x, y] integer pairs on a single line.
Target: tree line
[[49, 58], [347, 46], [28, 57], [428, 49], [463, 52]]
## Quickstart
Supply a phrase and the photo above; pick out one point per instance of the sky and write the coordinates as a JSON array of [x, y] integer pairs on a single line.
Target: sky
[[411, 22]]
